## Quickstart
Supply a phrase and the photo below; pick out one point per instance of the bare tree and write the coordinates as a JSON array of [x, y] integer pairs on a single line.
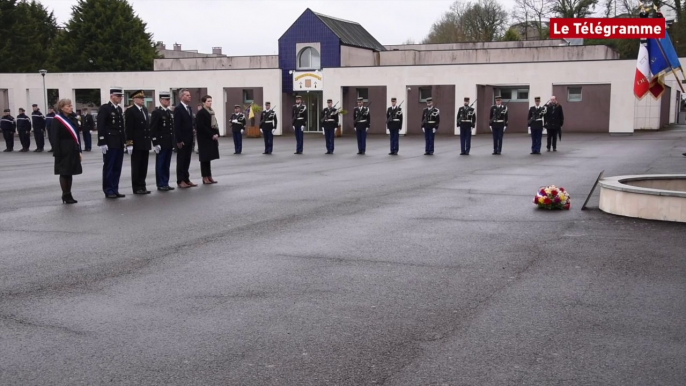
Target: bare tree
[[572, 8], [483, 20], [533, 14]]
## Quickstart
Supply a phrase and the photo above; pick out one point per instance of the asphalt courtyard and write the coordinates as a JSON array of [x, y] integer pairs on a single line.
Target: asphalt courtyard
[[345, 270]]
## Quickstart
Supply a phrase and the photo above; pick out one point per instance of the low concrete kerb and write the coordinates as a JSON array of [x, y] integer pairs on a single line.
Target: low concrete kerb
[[620, 183]]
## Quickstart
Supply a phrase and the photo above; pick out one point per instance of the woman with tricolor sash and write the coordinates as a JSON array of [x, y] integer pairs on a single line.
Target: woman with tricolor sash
[[67, 148]]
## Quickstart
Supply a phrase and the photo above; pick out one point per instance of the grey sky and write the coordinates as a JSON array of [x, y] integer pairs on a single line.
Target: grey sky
[[253, 27]]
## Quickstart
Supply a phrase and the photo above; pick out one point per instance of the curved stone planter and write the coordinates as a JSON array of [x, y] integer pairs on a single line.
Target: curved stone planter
[[654, 197]]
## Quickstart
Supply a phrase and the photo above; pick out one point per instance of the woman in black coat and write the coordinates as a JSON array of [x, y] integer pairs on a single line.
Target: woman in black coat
[[67, 148], [208, 139]]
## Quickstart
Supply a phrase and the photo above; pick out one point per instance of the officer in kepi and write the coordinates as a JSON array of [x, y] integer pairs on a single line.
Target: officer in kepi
[[138, 144], [162, 133], [9, 127], [38, 121], [299, 115], [466, 120], [268, 124], [362, 119], [329, 125], [111, 138], [498, 120], [431, 118], [48, 125], [237, 128], [554, 120], [535, 120], [394, 122], [24, 129]]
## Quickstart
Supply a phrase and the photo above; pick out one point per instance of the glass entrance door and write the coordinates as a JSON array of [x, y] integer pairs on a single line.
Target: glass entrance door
[[313, 101]]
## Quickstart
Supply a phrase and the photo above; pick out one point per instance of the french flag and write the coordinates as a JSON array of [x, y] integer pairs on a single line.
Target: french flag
[[642, 79]]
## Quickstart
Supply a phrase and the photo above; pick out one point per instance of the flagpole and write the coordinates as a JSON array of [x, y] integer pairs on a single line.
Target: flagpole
[[678, 81]]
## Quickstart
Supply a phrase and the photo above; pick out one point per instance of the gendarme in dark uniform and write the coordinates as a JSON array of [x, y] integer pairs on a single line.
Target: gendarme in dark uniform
[[535, 120], [329, 125], [38, 121], [48, 126], [237, 128], [268, 124], [554, 119], [498, 124], [138, 141], [9, 127], [299, 115], [87, 125], [24, 129], [111, 138], [466, 120], [162, 133], [394, 122], [431, 118], [362, 119]]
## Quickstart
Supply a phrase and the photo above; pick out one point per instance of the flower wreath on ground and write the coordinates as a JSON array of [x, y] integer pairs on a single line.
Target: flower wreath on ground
[[552, 197]]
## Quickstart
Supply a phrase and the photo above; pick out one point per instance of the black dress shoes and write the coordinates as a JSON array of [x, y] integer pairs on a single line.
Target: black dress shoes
[[120, 195], [163, 188], [111, 196], [463, 153], [142, 191], [68, 199]]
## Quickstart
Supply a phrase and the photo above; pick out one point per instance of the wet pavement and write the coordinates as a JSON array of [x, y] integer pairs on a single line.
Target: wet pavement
[[345, 270]]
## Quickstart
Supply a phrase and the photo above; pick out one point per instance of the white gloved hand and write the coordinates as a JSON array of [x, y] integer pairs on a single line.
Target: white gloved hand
[[104, 149], [261, 131], [434, 131], [242, 131], [234, 121], [355, 128], [529, 127], [367, 129], [273, 131], [490, 128], [423, 130], [302, 128], [504, 128], [157, 149], [323, 131], [129, 149]]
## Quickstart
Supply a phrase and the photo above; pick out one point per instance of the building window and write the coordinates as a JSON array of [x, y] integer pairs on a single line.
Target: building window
[[424, 93], [573, 94], [363, 93], [513, 94], [248, 96], [309, 58]]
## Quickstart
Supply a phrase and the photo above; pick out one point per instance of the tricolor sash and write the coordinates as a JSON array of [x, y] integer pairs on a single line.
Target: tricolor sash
[[67, 123]]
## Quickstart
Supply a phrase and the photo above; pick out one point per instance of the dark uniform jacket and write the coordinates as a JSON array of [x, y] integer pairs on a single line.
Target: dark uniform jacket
[[299, 115], [38, 120], [23, 122], [498, 115], [237, 127], [362, 117], [330, 118], [466, 116], [87, 123], [535, 117], [66, 149], [554, 118], [208, 149], [7, 123], [137, 128], [394, 118], [48, 120], [183, 125], [111, 126], [162, 128], [268, 120], [431, 118]]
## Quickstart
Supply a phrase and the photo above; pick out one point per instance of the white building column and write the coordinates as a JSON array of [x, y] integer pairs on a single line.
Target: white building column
[[621, 115]]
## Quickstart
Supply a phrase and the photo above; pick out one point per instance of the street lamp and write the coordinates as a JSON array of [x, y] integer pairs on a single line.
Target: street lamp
[[45, 94]]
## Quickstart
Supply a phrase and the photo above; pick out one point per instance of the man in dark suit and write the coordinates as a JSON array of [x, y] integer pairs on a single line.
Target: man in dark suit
[[24, 129], [87, 125], [554, 119], [111, 139], [138, 141], [162, 132], [183, 130]]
